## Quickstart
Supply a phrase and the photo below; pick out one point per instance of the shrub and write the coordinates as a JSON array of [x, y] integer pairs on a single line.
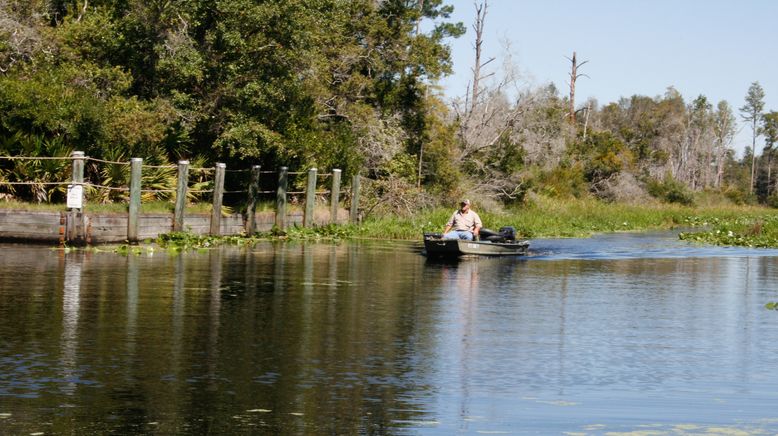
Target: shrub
[[670, 190], [622, 187], [772, 200], [562, 182], [737, 196]]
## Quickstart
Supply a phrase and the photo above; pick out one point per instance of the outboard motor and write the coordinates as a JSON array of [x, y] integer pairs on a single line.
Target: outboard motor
[[491, 236], [508, 232]]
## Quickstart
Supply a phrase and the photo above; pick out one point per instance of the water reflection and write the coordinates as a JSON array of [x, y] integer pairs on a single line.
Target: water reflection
[[133, 290], [70, 312], [373, 338]]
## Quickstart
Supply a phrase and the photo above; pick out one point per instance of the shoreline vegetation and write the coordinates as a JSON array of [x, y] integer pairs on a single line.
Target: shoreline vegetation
[[356, 86], [717, 223]]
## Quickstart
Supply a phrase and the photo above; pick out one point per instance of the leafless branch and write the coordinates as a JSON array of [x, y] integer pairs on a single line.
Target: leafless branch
[[83, 11]]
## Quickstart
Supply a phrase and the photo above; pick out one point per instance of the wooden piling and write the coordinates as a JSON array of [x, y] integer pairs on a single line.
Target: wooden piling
[[218, 196], [78, 166], [283, 179], [335, 196], [136, 165], [181, 188], [251, 207], [310, 198], [74, 228]]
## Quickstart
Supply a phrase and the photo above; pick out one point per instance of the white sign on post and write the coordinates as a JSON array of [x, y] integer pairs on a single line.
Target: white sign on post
[[75, 196]]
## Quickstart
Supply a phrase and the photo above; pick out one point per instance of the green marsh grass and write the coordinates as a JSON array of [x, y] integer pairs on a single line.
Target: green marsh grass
[[547, 217]]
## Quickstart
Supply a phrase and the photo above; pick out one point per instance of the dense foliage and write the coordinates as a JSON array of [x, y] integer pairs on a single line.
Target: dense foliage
[[301, 83], [344, 84]]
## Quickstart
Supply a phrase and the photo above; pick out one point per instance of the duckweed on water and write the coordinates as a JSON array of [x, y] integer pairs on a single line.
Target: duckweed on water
[[184, 241]]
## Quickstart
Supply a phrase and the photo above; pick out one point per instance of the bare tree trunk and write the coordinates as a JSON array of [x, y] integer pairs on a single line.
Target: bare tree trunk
[[83, 11], [421, 11], [769, 169], [421, 145], [707, 182], [572, 88], [421, 156], [573, 77], [721, 153], [480, 16], [753, 156]]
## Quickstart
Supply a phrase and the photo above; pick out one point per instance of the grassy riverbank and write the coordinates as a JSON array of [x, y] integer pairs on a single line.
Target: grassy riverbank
[[712, 222], [545, 217]]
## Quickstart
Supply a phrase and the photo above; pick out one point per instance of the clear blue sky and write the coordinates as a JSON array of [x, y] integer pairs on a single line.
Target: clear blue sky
[[716, 48]]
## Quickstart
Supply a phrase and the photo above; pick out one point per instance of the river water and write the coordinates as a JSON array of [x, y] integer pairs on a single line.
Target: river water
[[623, 333]]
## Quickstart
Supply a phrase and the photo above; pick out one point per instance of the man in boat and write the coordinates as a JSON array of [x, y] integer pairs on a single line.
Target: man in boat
[[464, 223]]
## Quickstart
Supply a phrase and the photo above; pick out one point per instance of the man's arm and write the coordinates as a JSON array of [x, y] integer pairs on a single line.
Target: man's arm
[[450, 223], [477, 226]]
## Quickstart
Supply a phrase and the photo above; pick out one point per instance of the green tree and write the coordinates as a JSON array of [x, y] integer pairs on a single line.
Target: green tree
[[602, 155], [770, 133], [294, 82], [654, 129], [751, 112]]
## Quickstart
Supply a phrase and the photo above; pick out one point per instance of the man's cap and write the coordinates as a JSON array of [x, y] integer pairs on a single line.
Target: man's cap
[[465, 201]]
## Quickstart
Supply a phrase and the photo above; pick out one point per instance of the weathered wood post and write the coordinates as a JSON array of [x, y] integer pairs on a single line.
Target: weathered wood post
[[355, 199], [310, 198], [283, 178], [136, 164], [251, 207], [78, 166], [335, 196], [181, 188], [76, 198], [218, 196]]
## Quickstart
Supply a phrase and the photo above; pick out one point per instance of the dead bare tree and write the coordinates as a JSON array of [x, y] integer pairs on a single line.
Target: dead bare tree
[[20, 36], [724, 129], [574, 75], [478, 27], [421, 14], [482, 126], [586, 121], [483, 121], [503, 125]]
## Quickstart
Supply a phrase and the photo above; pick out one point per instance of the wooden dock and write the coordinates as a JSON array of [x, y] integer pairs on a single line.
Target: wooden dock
[[76, 225], [104, 228]]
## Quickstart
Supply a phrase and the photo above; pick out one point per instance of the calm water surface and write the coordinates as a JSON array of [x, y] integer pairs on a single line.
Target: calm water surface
[[614, 334]]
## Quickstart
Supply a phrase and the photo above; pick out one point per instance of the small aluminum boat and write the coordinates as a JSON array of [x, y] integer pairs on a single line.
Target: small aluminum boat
[[492, 243]]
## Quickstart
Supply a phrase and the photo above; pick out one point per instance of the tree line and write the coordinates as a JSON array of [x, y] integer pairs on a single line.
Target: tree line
[[347, 84]]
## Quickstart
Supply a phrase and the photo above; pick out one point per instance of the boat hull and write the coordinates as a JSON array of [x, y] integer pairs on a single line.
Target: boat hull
[[438, 247]]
